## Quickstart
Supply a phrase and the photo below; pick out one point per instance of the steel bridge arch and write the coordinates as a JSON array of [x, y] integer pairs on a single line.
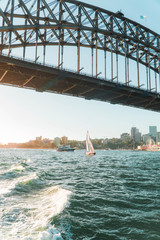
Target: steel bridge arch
[[26, 23]]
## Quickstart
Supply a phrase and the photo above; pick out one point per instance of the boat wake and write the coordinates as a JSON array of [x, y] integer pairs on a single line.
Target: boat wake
[[9, 181], [13, 172], [29, 218], [27, 204]]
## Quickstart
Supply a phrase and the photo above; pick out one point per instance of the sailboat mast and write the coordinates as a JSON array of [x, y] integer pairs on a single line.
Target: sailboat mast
[[87, 145]]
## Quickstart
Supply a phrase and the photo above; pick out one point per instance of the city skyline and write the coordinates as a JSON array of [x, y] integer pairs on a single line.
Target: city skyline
[[63, 136], [26, 114]]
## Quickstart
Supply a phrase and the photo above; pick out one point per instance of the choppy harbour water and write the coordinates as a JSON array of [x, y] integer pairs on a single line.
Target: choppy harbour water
[[45, 195]]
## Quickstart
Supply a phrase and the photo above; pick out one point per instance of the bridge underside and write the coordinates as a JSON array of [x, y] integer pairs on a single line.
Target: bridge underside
[[15, 72]]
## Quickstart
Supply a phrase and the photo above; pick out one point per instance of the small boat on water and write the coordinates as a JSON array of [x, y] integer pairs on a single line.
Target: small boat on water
[[89, 147], [65, 148]]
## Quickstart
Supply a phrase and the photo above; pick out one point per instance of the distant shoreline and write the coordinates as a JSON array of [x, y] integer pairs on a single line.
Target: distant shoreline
[[27, 148], [55, 149]]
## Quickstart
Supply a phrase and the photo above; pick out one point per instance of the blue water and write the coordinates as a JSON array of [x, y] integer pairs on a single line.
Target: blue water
[[49, 195]]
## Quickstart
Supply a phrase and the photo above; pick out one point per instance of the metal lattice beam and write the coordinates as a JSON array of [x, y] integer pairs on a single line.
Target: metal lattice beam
[[34, 23]]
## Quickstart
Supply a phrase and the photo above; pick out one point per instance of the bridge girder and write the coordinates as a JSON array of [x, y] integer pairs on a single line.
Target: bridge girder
[[34, 23], [27, 75], [69, 22]]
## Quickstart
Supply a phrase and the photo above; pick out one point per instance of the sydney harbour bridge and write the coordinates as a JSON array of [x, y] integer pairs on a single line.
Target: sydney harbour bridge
[[121, 55]]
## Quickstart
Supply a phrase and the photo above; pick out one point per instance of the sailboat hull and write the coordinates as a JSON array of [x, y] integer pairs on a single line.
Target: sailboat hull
[[90, 154]]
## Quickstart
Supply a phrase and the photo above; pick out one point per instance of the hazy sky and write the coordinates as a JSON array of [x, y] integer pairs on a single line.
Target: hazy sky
[[25, 114]]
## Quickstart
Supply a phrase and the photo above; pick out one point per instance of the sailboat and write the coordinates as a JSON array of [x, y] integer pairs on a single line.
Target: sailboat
[[89, 146]]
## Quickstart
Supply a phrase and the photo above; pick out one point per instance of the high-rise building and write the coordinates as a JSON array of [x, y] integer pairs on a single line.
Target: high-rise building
[[64, 140], [135, 135], [146, 138], [57, 141], [158, 137], [153, 132]]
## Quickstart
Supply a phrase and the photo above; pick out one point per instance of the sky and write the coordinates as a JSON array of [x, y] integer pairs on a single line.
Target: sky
[[26, 114]]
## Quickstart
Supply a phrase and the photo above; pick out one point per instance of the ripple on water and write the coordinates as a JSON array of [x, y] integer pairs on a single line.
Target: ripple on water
[[115, 195]]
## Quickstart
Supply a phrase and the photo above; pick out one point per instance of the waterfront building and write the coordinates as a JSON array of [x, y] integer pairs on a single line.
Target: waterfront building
[[135, 135], [57, 141], [146, 138], [64, 140], [39, 138], [105, 141], [153, 132], [158, 137]]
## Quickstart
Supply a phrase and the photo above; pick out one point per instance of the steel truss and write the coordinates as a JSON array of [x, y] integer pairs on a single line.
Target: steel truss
[[26, 23]]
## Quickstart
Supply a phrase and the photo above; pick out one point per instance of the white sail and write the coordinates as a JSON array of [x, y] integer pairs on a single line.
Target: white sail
[[87, 140], [89, 146]]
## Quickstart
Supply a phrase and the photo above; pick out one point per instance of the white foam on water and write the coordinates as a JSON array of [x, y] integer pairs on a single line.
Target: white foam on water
[[28, 160], [26, 179], [15, 168], [7, 185], [18, 167], [51, 234], [52, 202], [29, 218]]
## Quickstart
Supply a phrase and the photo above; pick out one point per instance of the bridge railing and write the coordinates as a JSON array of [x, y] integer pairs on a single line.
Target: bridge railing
[[67, 71]]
